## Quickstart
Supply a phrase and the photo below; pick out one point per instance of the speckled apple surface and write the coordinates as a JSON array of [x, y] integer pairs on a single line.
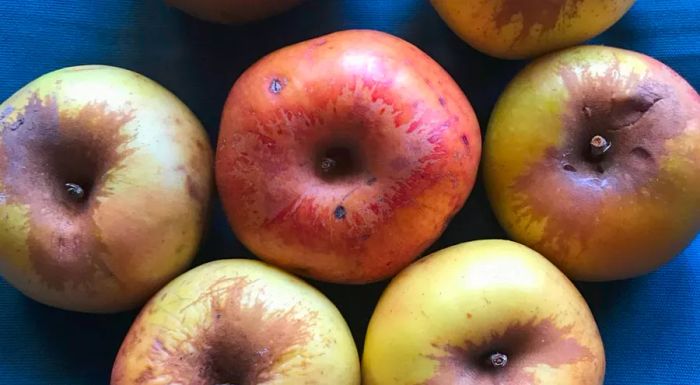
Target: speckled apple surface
[[648, 324]]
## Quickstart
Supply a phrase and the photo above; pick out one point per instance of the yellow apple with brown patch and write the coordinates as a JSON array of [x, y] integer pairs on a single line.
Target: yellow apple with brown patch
[[238, 322], [516, 29], [105, 179], [592, 158], [482, 312]]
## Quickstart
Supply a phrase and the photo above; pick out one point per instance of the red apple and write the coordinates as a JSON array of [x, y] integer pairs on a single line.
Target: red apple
[[233, 11], [342, 158], [592, 158]]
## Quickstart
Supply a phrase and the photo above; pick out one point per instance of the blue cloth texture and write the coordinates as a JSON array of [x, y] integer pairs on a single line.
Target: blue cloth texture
[[650, 325]]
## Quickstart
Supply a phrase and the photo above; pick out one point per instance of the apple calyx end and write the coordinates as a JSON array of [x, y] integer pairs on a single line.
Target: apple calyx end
[[599, 146], [498, 360], [327, 165], [75, 191]]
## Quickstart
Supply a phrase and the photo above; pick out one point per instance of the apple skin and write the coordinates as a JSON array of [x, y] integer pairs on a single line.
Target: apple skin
[[238, 322], [616, 218], [439, 320], [145, 164], [233, 11], [518, 29], [406, 141]]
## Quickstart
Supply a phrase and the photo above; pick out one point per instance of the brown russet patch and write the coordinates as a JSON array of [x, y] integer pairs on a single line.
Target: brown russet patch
[[637, 125], [41, 151], [240, 344], [545, 13], [527, 345]]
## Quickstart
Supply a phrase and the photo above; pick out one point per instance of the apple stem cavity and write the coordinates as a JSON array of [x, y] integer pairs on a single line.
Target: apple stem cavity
[[599, 146], [498, 360], [74, 191]]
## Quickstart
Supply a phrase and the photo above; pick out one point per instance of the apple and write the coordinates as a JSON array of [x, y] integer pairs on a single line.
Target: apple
[[517, 29], [482, 312], [233, 11], [592, 158], [105, 180], [343, 157], [238, 322]]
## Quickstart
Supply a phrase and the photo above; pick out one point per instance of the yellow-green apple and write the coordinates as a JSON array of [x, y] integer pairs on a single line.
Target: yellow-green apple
[[516, 29], [233, 11], [342, 158], [592, 158], [238, 322], [105, 180], [482, 312]]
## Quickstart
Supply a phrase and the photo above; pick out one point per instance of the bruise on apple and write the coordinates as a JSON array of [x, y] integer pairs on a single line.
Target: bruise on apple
[[526, 346], [637, 124], [532, 13], [45, 150], [241, 343]]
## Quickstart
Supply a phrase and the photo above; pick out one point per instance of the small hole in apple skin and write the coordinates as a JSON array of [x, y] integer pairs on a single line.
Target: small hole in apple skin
[[339, 212], [276, 86], [570, 168]]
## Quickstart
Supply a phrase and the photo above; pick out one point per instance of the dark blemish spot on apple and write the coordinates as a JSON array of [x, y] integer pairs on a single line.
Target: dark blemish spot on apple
[[16, 124], [465, 140], [195, 190], [371, 181], [532, 13], [569, 168], [47, 158], [527, 345], [469, 315], [442, 101], [240, 345], [339, 212], [276, 86]]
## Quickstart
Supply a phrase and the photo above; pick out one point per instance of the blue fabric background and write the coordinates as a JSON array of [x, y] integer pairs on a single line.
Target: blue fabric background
[[650, 325]]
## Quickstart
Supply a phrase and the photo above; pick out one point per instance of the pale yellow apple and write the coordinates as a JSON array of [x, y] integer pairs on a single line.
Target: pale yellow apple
[[238, 322], [105, 179], [482, 312]]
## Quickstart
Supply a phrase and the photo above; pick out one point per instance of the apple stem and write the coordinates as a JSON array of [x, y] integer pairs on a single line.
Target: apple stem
[[599, 146], [75, 191], [498, 360]]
